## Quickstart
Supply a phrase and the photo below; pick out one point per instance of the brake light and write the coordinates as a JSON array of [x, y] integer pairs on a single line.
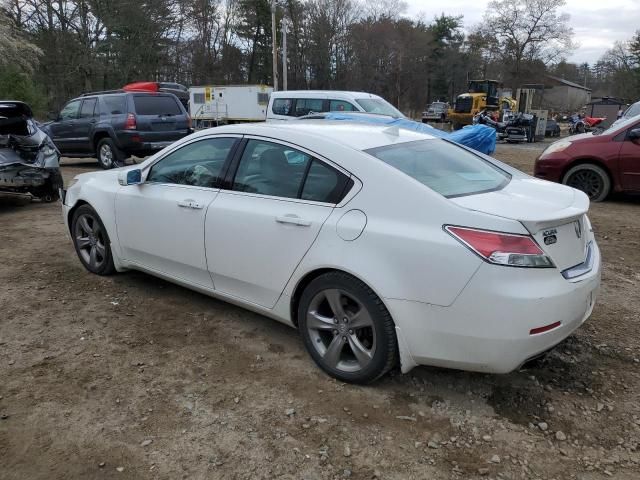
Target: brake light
[[130, 122], [508, 249], [188, 121]]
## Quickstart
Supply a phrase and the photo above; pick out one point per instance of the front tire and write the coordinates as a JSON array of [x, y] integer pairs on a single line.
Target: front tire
[[346, 328], [91, 241], [591, 179]]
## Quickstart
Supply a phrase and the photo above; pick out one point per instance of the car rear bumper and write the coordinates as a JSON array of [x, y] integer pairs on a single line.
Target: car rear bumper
[[138, 141], [489, 326]]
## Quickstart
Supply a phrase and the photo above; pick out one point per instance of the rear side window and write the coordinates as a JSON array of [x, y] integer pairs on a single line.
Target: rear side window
[[156, 105], [115, 104], [305, 106], [324, 184], [271, 169], [444, 167], [282, 106]]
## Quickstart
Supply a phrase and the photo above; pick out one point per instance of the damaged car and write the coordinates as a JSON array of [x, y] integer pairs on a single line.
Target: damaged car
[[29, 161]]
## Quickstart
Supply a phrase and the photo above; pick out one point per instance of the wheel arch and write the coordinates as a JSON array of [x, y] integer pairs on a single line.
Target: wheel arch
[[99, 135], [589, 161], [310, 276], [73, 210]]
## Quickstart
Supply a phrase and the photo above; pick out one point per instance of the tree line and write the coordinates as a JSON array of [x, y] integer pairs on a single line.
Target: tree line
[[55, 50]]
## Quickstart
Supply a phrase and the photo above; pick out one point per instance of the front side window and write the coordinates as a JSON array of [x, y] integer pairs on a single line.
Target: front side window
[[282, 106], [198, 164], [70, 110], [271, 169], [305, 106], [379, 106], [88, 108], [341, 106], [444, 167]]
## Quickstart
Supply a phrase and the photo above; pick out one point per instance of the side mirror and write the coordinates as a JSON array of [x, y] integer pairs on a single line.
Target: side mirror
[[53, 116], [634, 135], [130, 177]]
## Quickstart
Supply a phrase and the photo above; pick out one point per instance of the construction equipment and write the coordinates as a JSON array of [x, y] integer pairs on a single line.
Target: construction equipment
[[481, 95]]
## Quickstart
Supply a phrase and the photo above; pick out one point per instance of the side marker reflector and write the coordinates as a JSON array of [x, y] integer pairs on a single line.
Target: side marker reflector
[[535, 331]]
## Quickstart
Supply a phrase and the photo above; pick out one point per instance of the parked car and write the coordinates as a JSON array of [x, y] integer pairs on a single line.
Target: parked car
[[378, 244], [632, 111], [291, 104], [596, 163], [29, 161], [436, 112], [552, 129], [114, 126]]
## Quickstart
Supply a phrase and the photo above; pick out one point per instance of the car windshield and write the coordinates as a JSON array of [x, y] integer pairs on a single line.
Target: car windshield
[[619, 126], [380, 106], [444, 167]]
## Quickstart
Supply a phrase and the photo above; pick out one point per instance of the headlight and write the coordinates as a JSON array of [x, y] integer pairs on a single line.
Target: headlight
[[556, 147], [48, 150]]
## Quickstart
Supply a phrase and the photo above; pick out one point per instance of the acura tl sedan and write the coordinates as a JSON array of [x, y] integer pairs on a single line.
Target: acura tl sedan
[[382, 246]]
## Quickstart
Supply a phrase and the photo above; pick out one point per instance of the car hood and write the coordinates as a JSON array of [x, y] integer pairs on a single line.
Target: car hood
[[529, 200]]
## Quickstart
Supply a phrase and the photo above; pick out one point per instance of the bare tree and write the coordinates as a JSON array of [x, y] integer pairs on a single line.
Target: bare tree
[[528, 31]]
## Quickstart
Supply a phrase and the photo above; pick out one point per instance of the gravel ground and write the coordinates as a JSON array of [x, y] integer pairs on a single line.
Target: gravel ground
[[132, 377]]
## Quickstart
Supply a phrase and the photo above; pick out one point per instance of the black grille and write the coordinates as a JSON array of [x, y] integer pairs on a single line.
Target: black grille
[[464, 104]]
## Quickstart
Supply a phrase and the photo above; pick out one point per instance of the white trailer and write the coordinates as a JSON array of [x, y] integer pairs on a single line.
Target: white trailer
[[213, 105]]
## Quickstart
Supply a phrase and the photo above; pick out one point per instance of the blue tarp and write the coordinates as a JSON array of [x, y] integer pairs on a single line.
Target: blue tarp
[[477, 137]]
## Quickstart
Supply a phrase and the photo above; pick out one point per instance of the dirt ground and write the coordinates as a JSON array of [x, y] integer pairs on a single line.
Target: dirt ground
[[131, 377]]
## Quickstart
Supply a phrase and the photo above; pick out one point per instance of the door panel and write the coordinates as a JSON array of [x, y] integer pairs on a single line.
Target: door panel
[[62, 130], [161, 226], [629, 164], [83, 126], [254, 243]]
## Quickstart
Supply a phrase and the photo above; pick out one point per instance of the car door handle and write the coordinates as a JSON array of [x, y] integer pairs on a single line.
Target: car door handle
[[190, 204], [293, 220]]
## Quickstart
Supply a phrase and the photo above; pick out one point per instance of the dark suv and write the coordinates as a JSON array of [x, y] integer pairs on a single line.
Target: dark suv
[[114, 126]]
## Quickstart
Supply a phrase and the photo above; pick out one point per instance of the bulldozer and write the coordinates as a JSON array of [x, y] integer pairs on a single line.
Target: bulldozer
[[481, 95]]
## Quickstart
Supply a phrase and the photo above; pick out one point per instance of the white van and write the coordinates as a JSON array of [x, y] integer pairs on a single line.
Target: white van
[[291, 104]]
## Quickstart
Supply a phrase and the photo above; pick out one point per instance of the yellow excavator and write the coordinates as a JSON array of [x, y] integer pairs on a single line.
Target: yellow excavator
[[481, 95]]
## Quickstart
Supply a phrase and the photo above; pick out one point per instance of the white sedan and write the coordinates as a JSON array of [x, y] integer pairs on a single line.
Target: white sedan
[[382, 246]]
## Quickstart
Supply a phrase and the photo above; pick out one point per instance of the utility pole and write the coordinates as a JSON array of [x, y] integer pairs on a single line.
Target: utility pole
[[274, 42], [284, 24]]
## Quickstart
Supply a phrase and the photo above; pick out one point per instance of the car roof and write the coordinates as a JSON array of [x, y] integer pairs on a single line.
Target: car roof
[[354, 135], [311, 93]]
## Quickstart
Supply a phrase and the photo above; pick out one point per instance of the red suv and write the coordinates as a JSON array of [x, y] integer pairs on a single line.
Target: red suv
[[596, 163]]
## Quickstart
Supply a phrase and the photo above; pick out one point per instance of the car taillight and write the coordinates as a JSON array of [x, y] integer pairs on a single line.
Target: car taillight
[[130, 122], [509, 249], [188, 121]]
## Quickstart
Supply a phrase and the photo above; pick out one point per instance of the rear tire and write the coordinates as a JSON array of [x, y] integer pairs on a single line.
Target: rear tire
[[346, 328], [91, 241], [109, 156], [591, 179]]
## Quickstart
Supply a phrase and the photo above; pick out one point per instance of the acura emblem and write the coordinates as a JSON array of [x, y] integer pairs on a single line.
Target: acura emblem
[[578, 228]]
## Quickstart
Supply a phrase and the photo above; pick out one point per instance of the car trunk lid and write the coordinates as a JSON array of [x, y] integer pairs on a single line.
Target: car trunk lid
[[553, 214]]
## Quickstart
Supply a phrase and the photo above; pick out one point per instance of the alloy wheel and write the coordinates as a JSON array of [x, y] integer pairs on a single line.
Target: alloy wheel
[[106, 155], [341, 330], [588, 181], [90, 240]]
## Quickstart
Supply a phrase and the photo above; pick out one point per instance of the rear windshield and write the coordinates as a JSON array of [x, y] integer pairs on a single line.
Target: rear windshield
[[444, 167], [156, 105], [379, 106]]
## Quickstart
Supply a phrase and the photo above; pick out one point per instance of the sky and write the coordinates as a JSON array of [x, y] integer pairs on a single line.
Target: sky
[[596, 24]]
